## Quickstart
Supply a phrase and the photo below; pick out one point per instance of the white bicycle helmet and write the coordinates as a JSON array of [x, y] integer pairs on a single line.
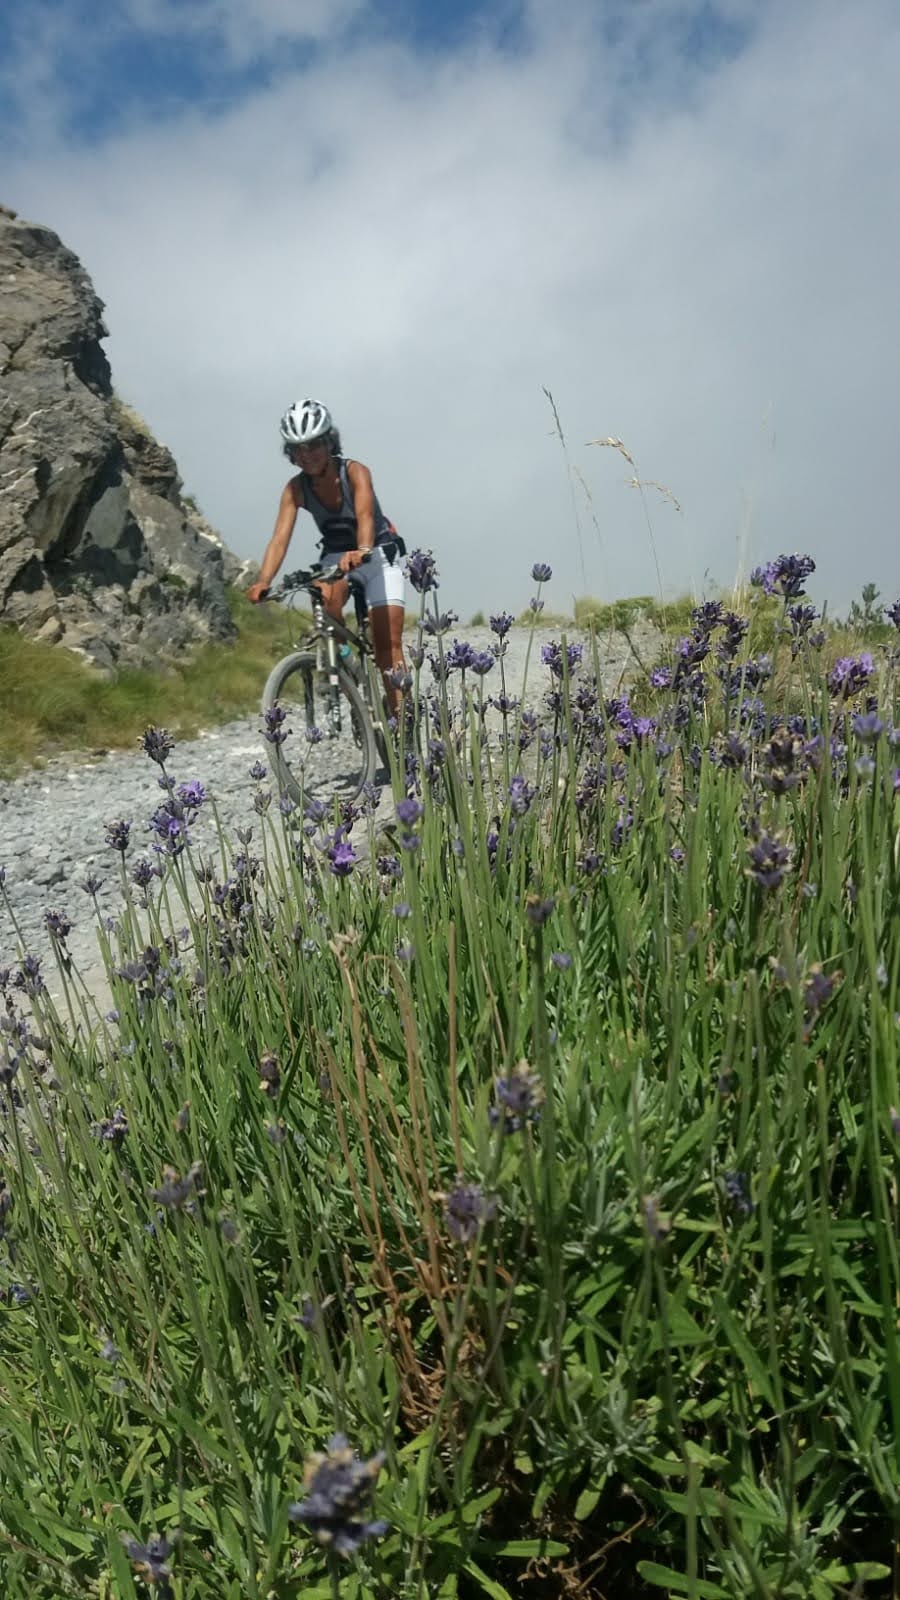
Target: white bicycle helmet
[[305, 421]]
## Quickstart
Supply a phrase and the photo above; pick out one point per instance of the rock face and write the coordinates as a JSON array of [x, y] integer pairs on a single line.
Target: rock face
[[99, 552]]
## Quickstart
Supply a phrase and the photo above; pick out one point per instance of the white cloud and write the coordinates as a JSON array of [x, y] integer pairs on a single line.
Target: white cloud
[[243, 31], [702, 263]]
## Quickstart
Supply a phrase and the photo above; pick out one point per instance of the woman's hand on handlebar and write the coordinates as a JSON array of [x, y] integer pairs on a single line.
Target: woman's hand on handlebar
[[353, 558], [257, 592]]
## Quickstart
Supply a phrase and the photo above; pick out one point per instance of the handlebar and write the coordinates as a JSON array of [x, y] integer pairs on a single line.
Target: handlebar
[[309, 577]]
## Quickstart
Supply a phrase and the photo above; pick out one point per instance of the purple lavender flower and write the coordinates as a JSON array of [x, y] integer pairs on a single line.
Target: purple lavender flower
[[307, 1315], [342, 856], [708, 615], [118, 835], [274, 731], [657, 1225], [175, 1191], [28, 978], [535, 605], [421, 570], [735, 629], [561, 959], [409, 811], [817, 991], [801, 619], [661, 678], [690, 651], [867, 725], [467, 1208], [520, 1094], [482, 662], [170, 826], [503, 621], [461, 655], [440, 624], [552, 657], [737, 1189], [732, 753], [269, 1070], [893, 613], [158, 744], [782, 763], [521, 794], [756, 671], [152, 1561], [786, 575], [258, 771], [192, 795], [589, 863], [58, 926], [91, 885], [339, 1489], [850, 674], [406, 952], [541, 573], [769, 861], [620, 829], [538, 910]]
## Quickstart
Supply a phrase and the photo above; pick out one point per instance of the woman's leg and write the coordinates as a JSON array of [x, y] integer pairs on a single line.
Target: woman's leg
[[386, 623], [334, 597]]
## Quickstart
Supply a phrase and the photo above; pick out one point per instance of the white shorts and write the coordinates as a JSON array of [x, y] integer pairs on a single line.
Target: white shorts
[[380, 579]]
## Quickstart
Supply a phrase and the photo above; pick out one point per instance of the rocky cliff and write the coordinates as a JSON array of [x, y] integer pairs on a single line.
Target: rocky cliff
[[99, 550]]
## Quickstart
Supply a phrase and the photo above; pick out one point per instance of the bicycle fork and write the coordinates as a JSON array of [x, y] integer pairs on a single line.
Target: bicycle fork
[[327, 663]]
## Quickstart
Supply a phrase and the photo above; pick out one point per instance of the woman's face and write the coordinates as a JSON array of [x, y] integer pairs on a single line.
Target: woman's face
[[312, 457]]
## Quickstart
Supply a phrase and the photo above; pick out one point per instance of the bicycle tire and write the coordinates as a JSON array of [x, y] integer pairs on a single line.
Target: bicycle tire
[[330, 765]]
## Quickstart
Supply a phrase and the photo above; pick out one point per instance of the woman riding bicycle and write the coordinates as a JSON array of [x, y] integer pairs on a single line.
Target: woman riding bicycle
[[339, 496]]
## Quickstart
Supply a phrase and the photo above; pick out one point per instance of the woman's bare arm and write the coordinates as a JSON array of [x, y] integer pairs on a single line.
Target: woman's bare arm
[[291, 502], [360, 479]]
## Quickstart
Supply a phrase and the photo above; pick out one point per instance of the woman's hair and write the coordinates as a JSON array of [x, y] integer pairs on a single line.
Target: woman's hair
[[334, 445]]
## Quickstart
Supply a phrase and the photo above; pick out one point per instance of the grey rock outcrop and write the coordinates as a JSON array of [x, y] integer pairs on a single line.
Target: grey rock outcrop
[[99, 551]]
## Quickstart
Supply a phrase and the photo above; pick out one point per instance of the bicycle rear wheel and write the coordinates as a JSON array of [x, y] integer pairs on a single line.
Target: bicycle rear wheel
[[330, 752]]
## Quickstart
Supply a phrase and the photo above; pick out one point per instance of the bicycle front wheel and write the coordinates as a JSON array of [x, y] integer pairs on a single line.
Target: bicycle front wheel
[[330, 750]]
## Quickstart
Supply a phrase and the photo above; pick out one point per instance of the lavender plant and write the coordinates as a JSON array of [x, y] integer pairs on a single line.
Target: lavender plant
[[575, 1209]]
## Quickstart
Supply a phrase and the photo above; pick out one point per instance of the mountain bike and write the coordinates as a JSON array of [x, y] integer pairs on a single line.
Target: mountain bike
[[330, 689]]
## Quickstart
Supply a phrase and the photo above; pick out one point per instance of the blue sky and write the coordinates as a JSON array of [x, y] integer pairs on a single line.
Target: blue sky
[[680, 218], [111, 67]]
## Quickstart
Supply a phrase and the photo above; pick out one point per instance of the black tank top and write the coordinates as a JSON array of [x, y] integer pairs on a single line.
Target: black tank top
[[339, 530]]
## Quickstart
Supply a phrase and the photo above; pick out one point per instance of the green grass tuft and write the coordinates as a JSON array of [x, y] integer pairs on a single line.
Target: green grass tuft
[[53, 701]]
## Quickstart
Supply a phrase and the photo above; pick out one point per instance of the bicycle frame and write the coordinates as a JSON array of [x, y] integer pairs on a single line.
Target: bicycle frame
[[329, 636]]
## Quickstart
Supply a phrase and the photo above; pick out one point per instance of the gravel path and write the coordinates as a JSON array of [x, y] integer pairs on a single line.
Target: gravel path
[[52, 820]]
